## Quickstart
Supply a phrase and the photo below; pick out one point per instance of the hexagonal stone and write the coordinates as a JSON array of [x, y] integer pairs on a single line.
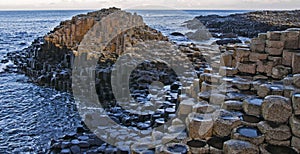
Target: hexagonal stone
[[241, 54], [254, 57], [247, 67], [287, 57], [276, 109], [263, 90], [278, 149], [295, 125], [296, 80], [233, 105], [250, 134], [199, 126], [226, 59], [296, 103], [291, 39], [224, 122], [217, 99], [203, 108], [240, 147], [275, 44], [252, 106], [186, 106], [296, 63], [277, 132], [241, 85], [296, 142], [274, 51], [280, 71], [258, 45], [227, 71], [274, 35]]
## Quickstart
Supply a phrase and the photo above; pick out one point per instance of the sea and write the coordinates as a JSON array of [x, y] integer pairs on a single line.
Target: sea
[[30, 115]]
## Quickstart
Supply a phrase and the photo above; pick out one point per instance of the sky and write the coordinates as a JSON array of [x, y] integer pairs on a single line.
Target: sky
[[149, 4]]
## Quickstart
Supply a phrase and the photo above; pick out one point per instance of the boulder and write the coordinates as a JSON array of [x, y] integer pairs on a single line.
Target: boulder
[[199, 35], [276, 109]]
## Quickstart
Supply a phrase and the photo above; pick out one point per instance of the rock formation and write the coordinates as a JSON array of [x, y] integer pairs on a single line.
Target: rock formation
[[243, 98], [249, 25]]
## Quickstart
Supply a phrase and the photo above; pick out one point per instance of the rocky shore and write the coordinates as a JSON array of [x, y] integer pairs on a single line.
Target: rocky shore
[[228, 99], [228, 28]]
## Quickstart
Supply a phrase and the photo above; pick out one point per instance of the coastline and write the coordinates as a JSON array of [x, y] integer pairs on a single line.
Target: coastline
[[235, 61]]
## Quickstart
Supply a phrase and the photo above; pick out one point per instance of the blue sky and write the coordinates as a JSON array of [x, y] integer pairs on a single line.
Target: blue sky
[[149, 4]]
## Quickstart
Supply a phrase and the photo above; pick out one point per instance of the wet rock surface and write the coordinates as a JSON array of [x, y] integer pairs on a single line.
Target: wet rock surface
[[239, 146]]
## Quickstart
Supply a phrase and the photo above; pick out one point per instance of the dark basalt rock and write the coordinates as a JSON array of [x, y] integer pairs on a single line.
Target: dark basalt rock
[[196, 143], [217, 142], [177, 34], [228, 41], [250, 119], [248, 24], [280, 149]]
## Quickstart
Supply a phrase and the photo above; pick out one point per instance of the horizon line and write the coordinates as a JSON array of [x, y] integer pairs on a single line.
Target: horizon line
[[150, 9]]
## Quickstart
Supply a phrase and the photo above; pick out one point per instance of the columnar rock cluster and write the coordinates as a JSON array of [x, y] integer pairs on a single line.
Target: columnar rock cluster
[[257, 86], [247, 100]]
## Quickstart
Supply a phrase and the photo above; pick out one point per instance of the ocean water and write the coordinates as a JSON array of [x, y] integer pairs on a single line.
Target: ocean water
[[30, 116]]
